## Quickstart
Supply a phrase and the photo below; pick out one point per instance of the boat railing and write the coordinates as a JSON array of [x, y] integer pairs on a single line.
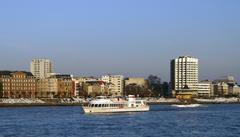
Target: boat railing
[[111, 105]]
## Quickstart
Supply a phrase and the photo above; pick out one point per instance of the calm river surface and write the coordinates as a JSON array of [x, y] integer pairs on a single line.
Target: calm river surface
[[161, 121]]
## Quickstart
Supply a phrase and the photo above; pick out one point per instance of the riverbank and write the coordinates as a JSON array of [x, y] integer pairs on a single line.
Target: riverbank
[[232, 100], [79, 101], [41, 102]]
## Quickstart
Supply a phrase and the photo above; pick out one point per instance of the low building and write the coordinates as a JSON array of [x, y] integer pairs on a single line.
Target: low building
[[76, 87], [57, 85], [225, 85], [236, 90], [221, 89], [95, 88], [47, 88], [65, 85], [205, 89], [115, 84], [17, 84], [80, 82]]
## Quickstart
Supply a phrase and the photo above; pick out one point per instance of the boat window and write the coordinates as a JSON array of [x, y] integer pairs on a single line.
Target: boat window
[[95, 105], [92, 105]]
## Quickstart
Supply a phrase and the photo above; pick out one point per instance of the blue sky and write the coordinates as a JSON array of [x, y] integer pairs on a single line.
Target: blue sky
[[130, 37]]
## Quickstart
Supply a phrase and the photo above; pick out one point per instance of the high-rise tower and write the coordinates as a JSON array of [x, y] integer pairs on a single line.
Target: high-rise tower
[[41, 68], [184, 74]]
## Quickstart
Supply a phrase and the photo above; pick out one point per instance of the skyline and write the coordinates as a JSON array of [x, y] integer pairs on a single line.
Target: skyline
[[133, 38]]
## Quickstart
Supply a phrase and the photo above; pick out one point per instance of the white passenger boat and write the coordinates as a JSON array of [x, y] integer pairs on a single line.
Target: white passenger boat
[[116, 105]]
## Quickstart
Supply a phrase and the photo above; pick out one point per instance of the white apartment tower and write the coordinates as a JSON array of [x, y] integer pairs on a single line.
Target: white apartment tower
[[184, 74], [116, 84], [41, 68]]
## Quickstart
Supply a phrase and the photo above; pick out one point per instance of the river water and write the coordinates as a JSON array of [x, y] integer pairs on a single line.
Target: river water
[[161, 121]]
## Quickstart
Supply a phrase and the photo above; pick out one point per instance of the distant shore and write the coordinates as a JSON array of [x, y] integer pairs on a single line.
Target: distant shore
[[80, 102]]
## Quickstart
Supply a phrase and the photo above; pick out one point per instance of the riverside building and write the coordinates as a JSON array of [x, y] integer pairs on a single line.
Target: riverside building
[[56, 86], [221, 89], [65, 85], [41, 68], [184, 75], [17, 84], [96, 88], [47, 88], [116, 84], [205, 89]]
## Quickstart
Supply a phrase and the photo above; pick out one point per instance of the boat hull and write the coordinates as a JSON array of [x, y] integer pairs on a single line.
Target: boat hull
[[115, 110]]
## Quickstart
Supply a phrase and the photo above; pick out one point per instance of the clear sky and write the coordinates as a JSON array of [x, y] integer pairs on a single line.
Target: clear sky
[[129, 37]]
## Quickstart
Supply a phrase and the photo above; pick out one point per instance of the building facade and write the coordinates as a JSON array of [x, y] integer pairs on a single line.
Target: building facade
[[56, 86], [224, 86], [236, 90], [41, 68], [65, 85], [96, 88], [116, 84], [221, 89], [47, 88], [205, 89], [184, 74], [17, 84]]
